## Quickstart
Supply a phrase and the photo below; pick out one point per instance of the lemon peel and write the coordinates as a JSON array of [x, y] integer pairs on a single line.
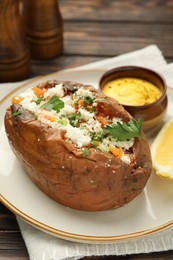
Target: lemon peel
[[162, 151]]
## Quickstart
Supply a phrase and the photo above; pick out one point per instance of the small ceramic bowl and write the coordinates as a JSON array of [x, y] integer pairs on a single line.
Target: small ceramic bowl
[[152, 113]]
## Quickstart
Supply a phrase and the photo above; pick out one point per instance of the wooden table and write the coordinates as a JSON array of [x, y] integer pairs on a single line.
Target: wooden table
[[94, 30]]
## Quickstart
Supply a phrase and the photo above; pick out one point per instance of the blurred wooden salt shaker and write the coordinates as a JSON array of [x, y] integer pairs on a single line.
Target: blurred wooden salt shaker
[[44, 28], [14, 51]]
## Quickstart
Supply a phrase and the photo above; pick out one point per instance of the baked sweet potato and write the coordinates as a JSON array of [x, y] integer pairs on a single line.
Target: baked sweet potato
[[79, 146]]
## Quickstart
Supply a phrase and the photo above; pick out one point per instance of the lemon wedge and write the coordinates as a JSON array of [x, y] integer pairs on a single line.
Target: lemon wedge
[[162, 151]]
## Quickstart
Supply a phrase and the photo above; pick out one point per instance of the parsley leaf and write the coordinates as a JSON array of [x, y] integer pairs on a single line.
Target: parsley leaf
[[85, 152], [17, 113], [54, 103], [38, 101], [74, 119], [62, 122], [88, 100], [97, 136], [94, 143], [124, 131]]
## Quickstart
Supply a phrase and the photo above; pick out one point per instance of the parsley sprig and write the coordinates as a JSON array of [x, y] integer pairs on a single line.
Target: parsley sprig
[[124, 131], [54, 103]]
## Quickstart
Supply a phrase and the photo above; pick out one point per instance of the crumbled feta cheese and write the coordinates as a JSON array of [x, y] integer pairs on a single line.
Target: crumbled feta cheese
[[116, 119], [29, 95], [47, 113], [84, 93], [80, 136], [31, 106], [107, 141], [103, 147], [67, 109], [92, 125], [67, 100], [96, 126], [56, 91], [86, 115], [77, 136], [85, 127], [126, 158], [124, 144]]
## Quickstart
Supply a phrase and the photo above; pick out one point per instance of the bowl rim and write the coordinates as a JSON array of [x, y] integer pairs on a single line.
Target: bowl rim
[[130, 68]]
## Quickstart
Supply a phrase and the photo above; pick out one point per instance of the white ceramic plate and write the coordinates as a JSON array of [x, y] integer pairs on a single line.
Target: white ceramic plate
[[151, 211]]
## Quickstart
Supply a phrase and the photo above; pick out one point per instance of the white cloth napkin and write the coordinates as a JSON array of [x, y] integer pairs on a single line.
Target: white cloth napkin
[[42, 246]]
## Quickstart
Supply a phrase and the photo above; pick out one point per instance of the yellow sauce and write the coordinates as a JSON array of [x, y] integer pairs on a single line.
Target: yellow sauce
[[132, 91]]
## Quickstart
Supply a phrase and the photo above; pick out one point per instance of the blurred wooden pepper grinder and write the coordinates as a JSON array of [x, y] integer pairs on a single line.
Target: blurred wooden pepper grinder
[[44, 28], [14, 51]]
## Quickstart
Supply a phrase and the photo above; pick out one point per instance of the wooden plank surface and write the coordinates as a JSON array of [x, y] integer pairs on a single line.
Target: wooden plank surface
[[111, 39], [12, 246], [117, 10], [94, 30], [60, 63], [109, 28]]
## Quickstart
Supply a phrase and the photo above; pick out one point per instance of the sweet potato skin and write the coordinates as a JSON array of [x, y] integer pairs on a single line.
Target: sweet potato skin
[[98, 181]]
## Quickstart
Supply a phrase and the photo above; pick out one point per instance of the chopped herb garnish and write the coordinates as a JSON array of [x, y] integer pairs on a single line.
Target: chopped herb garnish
[[124, 131], [88, 170], [62, 122], [97, 136], [88, 100], [54, 103], [93, 110], [94, 143], [63, 116], [17, 113], [38, 101], [74, 119], [82, 127], [85, 152]]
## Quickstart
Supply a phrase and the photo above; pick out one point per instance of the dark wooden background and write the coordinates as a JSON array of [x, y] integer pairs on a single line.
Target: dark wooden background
[[93, 30]]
